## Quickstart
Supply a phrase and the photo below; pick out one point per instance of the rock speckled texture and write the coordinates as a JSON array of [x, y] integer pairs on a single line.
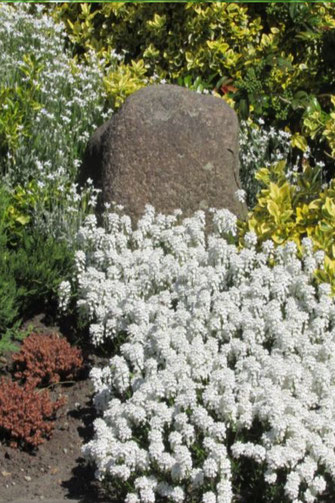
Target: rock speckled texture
[[169, 147]]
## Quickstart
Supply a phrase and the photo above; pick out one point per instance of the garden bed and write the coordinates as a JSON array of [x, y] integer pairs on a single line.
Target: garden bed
[[56, 469]]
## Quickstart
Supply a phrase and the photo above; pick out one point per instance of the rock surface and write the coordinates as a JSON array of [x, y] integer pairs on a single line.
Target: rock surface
[[169, 147]]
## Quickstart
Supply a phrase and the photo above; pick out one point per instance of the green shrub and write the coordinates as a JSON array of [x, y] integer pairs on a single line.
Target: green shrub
[[29, 279], [38, 266], [31, 270], [292, 210], [8, 288], [267, 60]]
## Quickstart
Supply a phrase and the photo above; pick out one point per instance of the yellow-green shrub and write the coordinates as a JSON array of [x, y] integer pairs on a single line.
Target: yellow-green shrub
[[317, 122], [289, 211], [17, 101], [276, 58]]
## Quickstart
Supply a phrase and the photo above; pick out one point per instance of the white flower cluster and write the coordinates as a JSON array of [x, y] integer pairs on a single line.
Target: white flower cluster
[[216, 340]]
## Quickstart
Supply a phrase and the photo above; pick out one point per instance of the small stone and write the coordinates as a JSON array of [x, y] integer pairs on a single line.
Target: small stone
[[41, 497], [6, 474], [65, 450], [3, 360], [64, 426], [22, 469], [42, 469], [13, 483], [77, 405], [27, 478]]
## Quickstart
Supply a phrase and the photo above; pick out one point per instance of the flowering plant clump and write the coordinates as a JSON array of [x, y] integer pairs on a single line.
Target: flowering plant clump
[[44, 89], [261, 146], [25, 413], [46, 358], [217, 344]]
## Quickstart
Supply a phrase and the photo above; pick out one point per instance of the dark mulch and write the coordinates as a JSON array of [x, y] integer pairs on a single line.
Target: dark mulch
[[56, 469]]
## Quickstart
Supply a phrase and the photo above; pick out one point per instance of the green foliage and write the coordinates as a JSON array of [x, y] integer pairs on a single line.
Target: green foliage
[[124, 80], [270, 60], [260, 147], [8, 306], [17, 213], [12, 336], [17, 102], [292, 211], [30, 271], [8, 289], [39, 265], [30, 277]]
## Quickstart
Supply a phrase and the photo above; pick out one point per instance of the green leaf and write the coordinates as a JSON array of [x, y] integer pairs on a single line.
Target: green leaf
[[23, 219]]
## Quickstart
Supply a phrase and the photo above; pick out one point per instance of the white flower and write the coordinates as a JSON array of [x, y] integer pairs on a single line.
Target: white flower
[[212, 339], [210, 468], [270, 477], [250, 239], [292, 485], [177, 495], [209, 497], [147, 495], [64, 295], [132, 498], [224, 221], [240, 195]]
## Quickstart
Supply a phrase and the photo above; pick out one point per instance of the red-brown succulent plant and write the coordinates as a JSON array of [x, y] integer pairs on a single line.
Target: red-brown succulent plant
[[46, 359], [25, 413]]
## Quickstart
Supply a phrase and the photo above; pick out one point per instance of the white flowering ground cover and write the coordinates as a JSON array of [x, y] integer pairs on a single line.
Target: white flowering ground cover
[[223, 356]]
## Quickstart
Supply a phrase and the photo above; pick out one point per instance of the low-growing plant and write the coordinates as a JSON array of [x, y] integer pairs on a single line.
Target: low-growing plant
[[9, 292], [38, 266], [227, 357], [31, 267], [12, 336], [25, 414], [9, 310], [47, 359]]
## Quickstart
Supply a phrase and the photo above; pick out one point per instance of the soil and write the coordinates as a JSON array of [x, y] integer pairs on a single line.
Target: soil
[[56, 469]]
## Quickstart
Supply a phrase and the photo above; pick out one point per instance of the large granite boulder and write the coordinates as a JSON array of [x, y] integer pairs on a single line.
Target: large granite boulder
[[169, 147]]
